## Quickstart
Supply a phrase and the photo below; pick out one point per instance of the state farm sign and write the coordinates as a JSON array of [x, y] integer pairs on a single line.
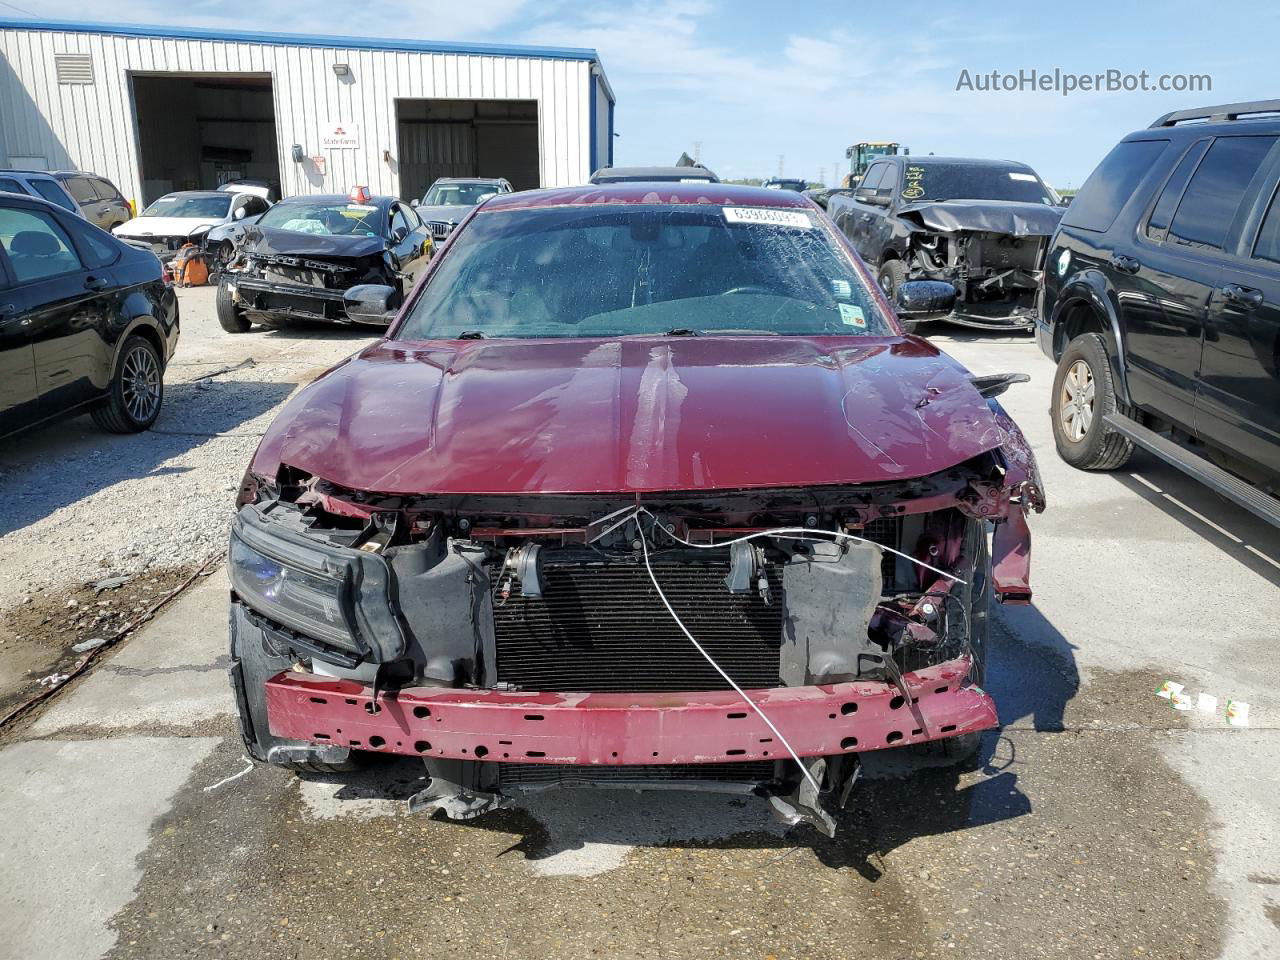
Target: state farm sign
[[340, 136]]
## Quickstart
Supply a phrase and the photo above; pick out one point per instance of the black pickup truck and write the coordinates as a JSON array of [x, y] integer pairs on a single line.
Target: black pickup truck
[[1161, 304], [979, 225]]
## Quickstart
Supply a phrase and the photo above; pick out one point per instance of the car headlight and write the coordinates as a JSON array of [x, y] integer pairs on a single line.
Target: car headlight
[[316, 586], [309, 602]]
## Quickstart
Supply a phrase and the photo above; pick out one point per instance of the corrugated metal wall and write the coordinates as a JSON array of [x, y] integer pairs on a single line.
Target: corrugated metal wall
[[93, 126]]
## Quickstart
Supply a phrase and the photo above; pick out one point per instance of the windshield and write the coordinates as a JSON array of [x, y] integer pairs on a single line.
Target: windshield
[[458, 194], [176, 205], [972, 181], [334, 217], [615, 270]]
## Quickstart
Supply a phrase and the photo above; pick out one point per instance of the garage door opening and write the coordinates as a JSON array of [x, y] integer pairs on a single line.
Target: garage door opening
[[467, 138], [196, 132]]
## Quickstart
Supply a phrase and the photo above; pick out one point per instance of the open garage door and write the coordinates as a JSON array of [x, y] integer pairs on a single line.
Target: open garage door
[[467, 138], [196, 131]]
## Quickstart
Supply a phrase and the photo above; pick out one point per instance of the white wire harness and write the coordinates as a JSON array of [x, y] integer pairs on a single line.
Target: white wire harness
[[782, 533]]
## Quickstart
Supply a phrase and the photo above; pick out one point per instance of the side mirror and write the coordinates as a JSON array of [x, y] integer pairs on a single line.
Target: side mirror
[[240, 213], [876, 200], [925, 299], [398, 234], [370, 303], [414, 202], [1064, 201]]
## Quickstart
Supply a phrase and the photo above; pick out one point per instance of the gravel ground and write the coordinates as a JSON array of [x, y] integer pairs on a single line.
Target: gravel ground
[[82, 505]]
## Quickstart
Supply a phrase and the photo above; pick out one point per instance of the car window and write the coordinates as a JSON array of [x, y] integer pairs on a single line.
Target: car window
[[1111, 185], [254, 206], [104, 189], [190, 206], [610, 270], [37, 246], [398, 220], [1212, 197], [885, 187], [871, 179], [97, 249], [9, 185], [339, 217], [1162, 213], [81, 189], [1267, 246], [53, 193]]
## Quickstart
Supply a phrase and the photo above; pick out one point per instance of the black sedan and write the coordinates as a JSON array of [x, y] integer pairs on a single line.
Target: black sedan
[[304, 253], [87, 322]]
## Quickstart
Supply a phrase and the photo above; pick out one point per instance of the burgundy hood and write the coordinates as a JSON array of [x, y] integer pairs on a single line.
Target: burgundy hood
[[631, 415]]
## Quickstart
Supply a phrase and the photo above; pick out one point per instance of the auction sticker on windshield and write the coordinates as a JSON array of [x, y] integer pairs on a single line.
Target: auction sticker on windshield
[[768, 216]]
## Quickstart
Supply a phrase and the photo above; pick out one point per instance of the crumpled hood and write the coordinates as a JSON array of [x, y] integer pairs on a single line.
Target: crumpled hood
[[451, 213], [631, 415], [272, 240], [994, 216], [143, 227]]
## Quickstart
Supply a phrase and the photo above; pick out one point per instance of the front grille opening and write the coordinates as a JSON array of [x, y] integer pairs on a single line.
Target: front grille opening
[[554, 774], [602, 627]]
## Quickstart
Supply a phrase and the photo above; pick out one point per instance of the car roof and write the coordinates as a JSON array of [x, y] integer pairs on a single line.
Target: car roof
[[379, 200], [960, 161], [76, 173], [636, 173], [649, 193], [192, 193]]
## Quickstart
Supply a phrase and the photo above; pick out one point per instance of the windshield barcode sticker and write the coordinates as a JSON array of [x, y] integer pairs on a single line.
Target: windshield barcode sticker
[[768, 216], [1022, 176], [852, 316]]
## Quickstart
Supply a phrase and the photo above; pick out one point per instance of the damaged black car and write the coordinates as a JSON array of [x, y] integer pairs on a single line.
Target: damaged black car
[[980, 225], [302, 257]]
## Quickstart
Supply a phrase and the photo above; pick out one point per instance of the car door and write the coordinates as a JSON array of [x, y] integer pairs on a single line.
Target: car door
[[863, 212], [1165, 277], [1238, 404], [113, 208], [63, 304], [17, 356], [409, 242], [84, 194]]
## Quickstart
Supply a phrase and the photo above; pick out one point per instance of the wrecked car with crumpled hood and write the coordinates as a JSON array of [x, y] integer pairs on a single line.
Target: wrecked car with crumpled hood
[[980, 225], [300, 259], [643, 488]]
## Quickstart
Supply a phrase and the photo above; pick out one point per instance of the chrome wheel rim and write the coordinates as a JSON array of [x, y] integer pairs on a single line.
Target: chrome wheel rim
[[1075, 402], [140, 379]]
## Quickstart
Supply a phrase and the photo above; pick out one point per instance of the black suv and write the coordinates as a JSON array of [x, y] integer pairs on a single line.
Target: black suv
[[1161, 303], [87, 322]]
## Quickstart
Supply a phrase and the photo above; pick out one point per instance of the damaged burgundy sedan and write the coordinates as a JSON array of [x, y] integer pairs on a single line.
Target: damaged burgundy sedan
[[644, 487]]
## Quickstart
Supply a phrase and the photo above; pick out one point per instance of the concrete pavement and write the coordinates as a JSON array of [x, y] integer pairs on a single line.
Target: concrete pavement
[[1099, 822]]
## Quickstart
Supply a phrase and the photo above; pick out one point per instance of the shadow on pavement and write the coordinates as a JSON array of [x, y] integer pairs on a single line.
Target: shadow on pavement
[[1232, 529], [54, 467]]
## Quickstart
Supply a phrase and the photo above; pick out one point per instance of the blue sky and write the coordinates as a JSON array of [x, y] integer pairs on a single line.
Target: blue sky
[[752, 81]]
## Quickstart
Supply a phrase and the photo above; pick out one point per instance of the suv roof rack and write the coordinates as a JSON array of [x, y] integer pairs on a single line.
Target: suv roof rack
[[1222, 112]]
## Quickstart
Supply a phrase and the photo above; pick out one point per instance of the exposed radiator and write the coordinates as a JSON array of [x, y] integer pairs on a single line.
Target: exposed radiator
[[602, 627]]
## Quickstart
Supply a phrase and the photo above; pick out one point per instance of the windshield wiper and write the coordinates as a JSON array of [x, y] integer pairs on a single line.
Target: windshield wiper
[[470, 335], [682, 332]]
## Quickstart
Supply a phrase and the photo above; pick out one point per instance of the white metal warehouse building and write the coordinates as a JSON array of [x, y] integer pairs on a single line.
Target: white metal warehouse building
[[156, 109]]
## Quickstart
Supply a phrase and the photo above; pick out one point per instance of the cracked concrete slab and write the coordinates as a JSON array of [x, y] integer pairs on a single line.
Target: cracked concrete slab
[[171, 673]]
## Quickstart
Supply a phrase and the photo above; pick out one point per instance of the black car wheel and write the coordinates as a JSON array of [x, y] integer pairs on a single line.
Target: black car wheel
[[892, 274], [136, 392], [230, 315], [1083, 395]]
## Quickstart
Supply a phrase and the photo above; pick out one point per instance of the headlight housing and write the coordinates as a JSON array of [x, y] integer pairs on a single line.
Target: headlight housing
[[313, 584]]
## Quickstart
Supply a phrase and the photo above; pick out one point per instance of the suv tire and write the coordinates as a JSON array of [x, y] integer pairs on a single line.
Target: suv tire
[[1083, 394], [136, 391], [230, 317], [892, 274]]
